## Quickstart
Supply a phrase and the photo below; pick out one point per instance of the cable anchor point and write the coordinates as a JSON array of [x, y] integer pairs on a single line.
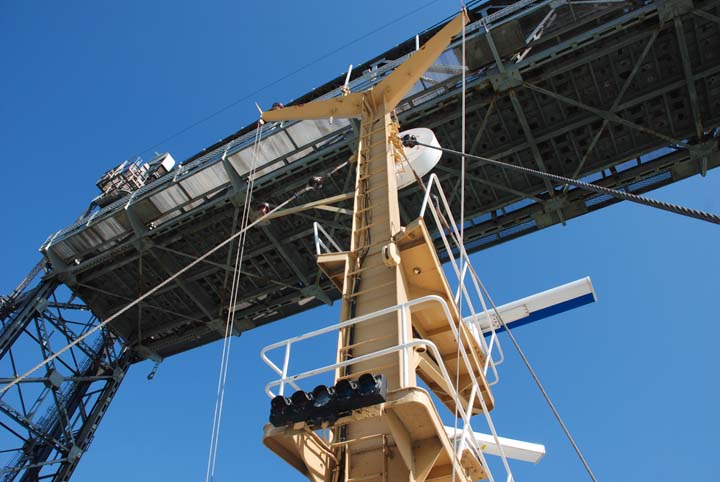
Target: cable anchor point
[[409, 140]]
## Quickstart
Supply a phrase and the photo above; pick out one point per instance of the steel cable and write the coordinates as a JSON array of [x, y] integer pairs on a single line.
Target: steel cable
[[625, 196], [230, 322], [461, 278], [535, 377], [525, 360]]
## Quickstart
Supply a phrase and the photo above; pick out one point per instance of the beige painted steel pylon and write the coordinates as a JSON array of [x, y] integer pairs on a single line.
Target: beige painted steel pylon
[[388, 265]]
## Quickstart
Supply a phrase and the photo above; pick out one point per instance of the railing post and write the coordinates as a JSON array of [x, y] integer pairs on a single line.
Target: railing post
[[461, 280], [317, 238], [286, 363], [403, 341], [433, 178]]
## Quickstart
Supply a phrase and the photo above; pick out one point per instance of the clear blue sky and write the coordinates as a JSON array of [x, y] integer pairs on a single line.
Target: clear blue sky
[[86, 85]]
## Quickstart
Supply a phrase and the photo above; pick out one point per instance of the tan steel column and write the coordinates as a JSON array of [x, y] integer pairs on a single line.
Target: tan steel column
[[371, 286], [365, 449]]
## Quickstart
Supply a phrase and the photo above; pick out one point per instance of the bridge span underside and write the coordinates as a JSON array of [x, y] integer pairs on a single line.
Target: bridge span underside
[[622, 94]]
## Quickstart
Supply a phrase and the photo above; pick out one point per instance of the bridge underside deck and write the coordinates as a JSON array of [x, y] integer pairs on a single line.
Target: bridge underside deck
[[609, 94]]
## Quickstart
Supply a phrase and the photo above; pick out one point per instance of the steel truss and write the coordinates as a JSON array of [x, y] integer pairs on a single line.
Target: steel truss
[[49, 419]]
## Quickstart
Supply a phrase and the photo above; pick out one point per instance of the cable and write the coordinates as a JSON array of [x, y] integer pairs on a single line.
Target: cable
[[626, 196], [540, 386], [230, 322], [535, 377], [452, 230], [180, 272], [461, 278], [286, 76], [462, 137]]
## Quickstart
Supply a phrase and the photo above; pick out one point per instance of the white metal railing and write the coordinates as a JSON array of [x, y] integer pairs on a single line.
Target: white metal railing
[[320, 245], [290, 380], [407, 343], [460, 270]]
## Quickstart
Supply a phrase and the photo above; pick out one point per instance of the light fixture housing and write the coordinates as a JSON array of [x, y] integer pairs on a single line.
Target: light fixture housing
[[324, 405], [280, 410]]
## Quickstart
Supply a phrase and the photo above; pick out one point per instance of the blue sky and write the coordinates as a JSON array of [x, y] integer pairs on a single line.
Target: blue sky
[[86, 85]]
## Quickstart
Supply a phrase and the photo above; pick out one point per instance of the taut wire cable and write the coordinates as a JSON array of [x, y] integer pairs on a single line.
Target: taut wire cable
[[625, 196], [230, 321]]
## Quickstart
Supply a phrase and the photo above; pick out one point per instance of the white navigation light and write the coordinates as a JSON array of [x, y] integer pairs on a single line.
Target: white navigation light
[[421, 159], [513, 449], [538, 306]]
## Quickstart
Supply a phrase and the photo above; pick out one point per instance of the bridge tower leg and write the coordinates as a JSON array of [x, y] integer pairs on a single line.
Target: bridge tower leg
[[48, 420]]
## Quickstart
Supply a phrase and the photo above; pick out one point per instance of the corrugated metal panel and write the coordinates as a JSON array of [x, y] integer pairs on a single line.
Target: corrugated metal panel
[[205, 181], [84, 241], [91, 237], [63, 250], [309, 131], [270, 149], [109, 228], [169, 199]]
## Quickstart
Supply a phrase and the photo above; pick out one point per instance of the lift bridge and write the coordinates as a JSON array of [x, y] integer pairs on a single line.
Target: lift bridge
[[624, 94]]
